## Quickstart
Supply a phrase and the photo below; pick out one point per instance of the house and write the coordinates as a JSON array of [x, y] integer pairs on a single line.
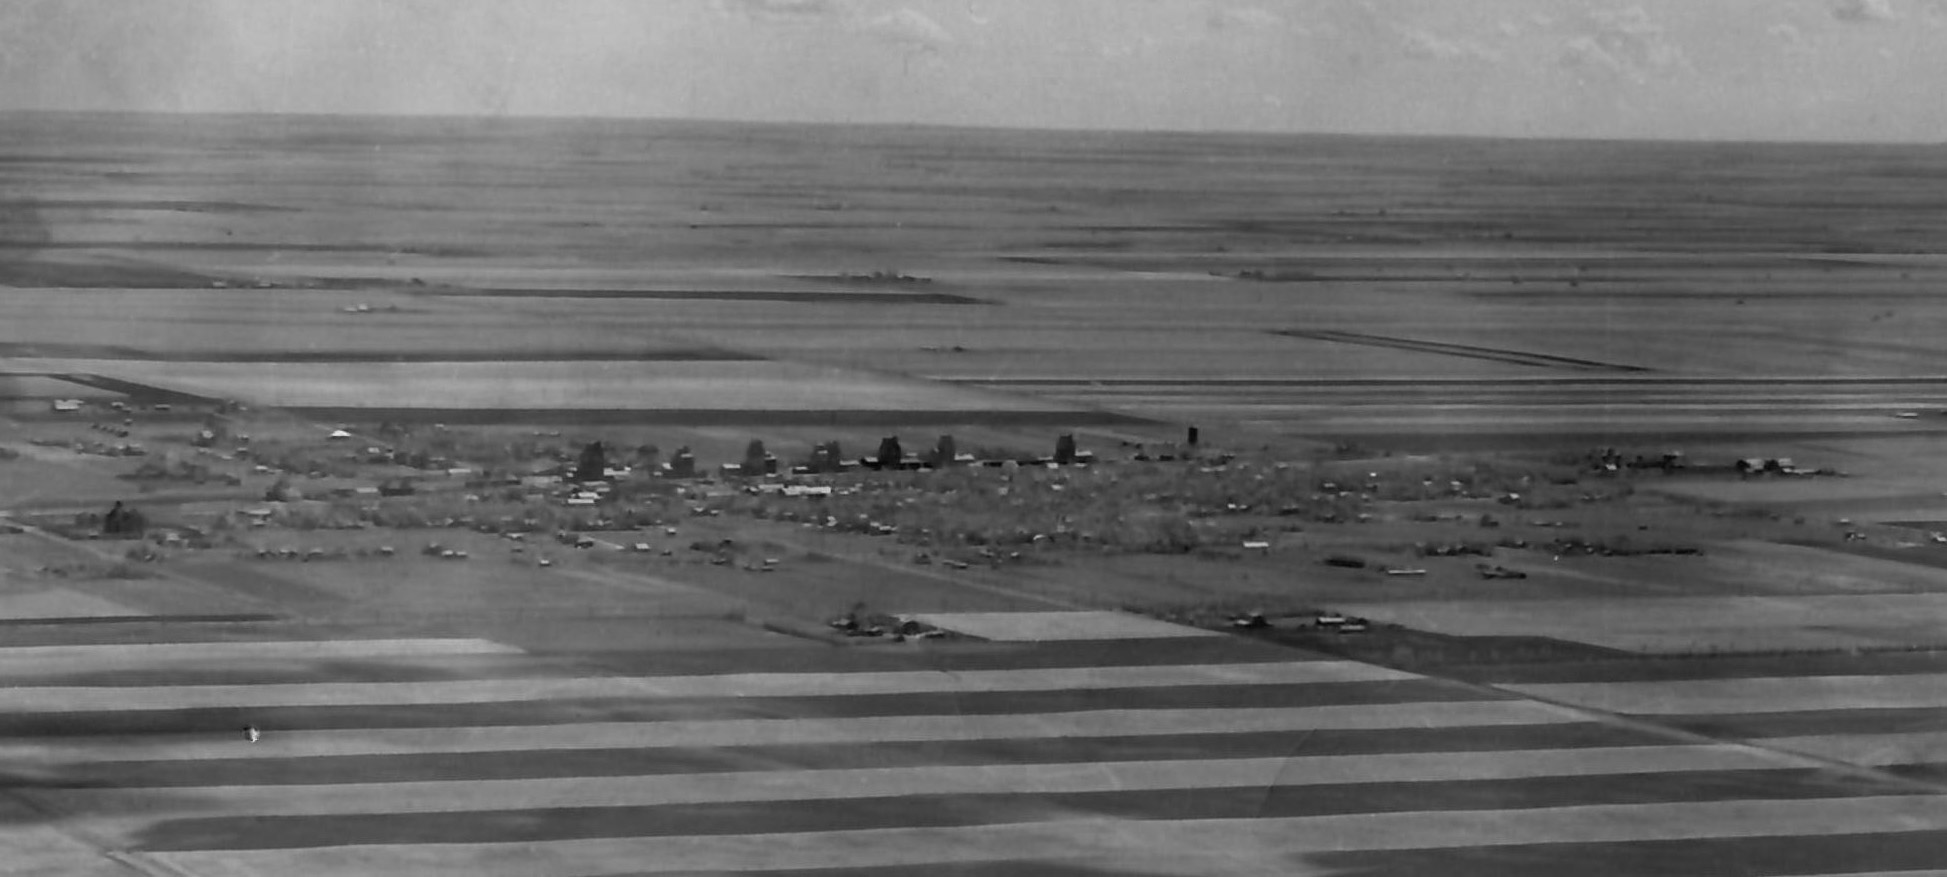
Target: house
[[338, 435], [67, 406]]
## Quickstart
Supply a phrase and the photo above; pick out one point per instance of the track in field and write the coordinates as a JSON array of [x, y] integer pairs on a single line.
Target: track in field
[[1150, 756], [1468, 351]]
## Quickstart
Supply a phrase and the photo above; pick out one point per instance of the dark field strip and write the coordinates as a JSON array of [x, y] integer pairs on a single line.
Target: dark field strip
[[947, 656], [259, 584], [172, 629], [1781, 856], [127, 204], [1441, 385], [1653, 669], [27, 273], [932, 869], [858, 226], [133, 390], [1209, 696], [241, 247], [32, 349], [1916, 558], [916, 811], [134, 619], [224, 721], [1760, 297], [860, 417], [763, 295], [558, 763], [423, 356], [1926, 772], [1811, 723], [293, 671], [1468, 351], [1443, 440], [650, 709]]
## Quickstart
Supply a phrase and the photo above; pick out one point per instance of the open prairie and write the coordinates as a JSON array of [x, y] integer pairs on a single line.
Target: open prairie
[[1417, 291]]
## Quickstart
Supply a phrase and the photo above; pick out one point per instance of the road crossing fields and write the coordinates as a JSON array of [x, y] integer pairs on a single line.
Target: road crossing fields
[[1163, 756]]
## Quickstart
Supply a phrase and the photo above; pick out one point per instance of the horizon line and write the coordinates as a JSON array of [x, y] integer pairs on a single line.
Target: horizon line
[[951, 126]]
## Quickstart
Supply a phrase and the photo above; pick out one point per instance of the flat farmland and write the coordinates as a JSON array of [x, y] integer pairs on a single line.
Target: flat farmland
[[1128, 273], [1691, 625], [550, 386], [1410, 346]]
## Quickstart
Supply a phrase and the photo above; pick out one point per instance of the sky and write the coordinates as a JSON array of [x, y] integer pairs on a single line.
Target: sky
[[1680, 69]]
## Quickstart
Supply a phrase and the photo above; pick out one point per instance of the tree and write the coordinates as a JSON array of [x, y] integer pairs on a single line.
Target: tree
[[944, 452], [889, 452], [683, 464], [827, 457], [593, 463], [123, 521], [754, 458], [1065, 449]]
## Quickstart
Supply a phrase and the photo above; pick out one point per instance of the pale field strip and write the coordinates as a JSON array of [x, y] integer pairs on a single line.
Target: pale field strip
[[1871, 750], [1764, 695], [57, 699], [279, 744], [33, 660], [129, 808], [62, 603], [1250, 840]]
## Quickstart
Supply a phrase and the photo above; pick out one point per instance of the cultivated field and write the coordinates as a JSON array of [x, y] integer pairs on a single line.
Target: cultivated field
[[467, 655]]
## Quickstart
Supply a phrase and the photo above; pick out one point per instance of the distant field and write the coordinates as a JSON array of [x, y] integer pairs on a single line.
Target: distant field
[[540, 386], [37, 388], [1689, 624], [890, 296]]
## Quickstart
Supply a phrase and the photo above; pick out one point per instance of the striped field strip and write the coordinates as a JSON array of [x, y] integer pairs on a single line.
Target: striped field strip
[[1084, 839], [817, 785], [787, 732], [197, 809], [1765, 695], [30, 848], [53, 699], [1060, 626], [1873, 750], [1929, 873], [23, 660]]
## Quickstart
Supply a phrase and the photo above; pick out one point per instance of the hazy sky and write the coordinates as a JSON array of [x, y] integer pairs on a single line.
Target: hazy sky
[[1758, 69]]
